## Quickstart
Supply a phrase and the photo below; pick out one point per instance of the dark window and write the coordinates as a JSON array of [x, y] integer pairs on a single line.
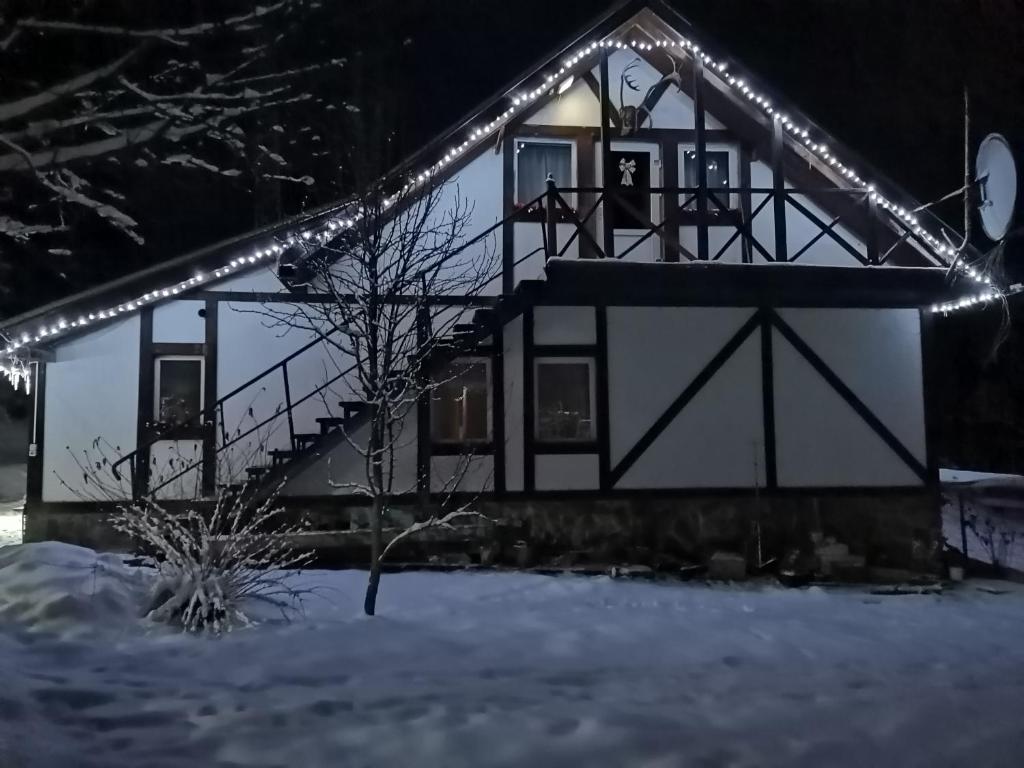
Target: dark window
[[534, 161], [459, 406], [631, 180], [564, 396], [718, 174], [179, 389]]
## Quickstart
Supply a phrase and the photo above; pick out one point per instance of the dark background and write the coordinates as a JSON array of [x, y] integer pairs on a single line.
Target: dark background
[[884, 76]]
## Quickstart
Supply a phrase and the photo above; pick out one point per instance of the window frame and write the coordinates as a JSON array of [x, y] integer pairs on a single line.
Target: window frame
[[733, 152], [471, 442], [569, 197], [591, 363], [157, 361]]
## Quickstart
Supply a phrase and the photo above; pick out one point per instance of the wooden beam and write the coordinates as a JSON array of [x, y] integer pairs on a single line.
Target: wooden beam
[[608, 238], [529, 461], [508, 192], [768, 403], [702, 159], [603, 420], [779, 193]]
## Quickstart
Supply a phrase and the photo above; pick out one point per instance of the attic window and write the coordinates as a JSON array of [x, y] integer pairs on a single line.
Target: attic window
[[535, 159], [718, 165]]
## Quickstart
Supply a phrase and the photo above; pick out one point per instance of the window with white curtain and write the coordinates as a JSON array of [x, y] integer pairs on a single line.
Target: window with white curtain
[[534, 161]]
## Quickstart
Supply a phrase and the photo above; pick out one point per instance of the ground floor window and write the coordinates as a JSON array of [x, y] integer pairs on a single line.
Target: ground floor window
[[179, 388], [460, 404], [564, 404]]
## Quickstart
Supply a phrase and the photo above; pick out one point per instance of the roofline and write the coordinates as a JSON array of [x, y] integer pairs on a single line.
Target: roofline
[[123, 288], [188, 260]]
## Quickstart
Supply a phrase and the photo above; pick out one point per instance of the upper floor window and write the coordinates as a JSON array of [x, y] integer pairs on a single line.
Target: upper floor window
[[535, 159], [564, 405], [719, 173], [179, 388], [460, 403]]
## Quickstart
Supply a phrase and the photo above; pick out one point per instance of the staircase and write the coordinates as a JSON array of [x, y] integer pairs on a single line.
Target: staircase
[[305, 447]]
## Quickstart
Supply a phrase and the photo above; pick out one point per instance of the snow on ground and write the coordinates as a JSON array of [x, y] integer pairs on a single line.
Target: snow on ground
[[502, 669]]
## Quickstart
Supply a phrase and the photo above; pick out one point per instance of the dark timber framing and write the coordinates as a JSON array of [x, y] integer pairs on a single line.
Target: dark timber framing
[[768, 401], [779, 195], [702, 159], [212, 324], [608, 236], [140, 479], [529, 462], [498, 403], [36, 464], [601, 385]]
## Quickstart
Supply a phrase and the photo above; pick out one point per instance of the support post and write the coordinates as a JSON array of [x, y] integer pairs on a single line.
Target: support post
[[702, 161], [423, 443], [551, 218], [508, 155], [963, 531], [779, 191], [872, 229], [608, 239], [209, 423]]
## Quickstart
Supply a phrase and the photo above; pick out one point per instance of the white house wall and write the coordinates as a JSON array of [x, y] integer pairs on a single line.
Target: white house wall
[[577, 106], [717, 441], [566, 472], [179, 322], [564, 325], [92, 390], [259, 279], [653, 353], [820, 441]]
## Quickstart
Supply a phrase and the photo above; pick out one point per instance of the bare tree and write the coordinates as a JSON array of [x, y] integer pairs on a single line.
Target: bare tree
[[105, 109], [395, 278]]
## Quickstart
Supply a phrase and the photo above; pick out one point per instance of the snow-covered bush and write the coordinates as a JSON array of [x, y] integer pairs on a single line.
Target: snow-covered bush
[[212, 560]]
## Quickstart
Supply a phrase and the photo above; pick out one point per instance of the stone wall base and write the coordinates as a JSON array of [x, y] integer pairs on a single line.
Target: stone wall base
[[889, 529]]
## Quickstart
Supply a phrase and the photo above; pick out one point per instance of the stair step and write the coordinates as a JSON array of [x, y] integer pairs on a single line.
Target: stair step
[[256, 472], [280, 456], [328, 423], [306, 438]]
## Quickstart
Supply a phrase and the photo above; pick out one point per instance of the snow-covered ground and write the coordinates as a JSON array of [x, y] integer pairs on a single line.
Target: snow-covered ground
[[501, 669]]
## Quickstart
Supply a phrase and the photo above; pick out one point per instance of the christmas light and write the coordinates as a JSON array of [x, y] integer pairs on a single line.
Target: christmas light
[[558, 81]]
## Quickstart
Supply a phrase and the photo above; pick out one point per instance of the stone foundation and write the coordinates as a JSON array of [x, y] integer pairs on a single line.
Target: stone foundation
[[900, 530]]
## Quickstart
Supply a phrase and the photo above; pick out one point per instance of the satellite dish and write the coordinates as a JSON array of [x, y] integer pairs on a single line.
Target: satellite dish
[[997, 177]]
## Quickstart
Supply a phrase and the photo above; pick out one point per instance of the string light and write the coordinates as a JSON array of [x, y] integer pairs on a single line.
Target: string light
[[557, 81]]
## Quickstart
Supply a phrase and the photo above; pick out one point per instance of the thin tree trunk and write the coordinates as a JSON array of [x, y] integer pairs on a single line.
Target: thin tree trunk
[[370, 603], [379, 504]]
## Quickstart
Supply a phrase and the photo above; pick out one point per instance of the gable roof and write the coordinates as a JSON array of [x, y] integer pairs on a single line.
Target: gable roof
[[443, 156]]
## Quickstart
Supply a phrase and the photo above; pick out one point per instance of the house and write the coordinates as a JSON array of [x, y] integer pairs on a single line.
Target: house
[[713, 320]]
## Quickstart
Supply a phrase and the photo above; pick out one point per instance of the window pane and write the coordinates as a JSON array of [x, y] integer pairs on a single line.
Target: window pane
[[458, 411], [535, 161], [718, 175], [180, 392], [563, 402]]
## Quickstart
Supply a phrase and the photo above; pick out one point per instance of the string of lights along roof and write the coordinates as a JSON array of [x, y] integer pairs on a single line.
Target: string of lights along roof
[[561, 78]]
